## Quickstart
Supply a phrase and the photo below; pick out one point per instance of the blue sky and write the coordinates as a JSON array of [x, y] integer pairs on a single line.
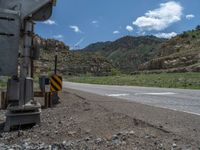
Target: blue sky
[[81, 22]]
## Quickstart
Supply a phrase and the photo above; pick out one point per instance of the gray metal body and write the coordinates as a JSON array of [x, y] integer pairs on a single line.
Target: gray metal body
[[13, 18], [24, 13], [9, 42], [43, 82], [39, 10], [13, 92]]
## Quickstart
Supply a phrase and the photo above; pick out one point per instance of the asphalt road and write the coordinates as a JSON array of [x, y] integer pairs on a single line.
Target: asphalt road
[[175, 99]]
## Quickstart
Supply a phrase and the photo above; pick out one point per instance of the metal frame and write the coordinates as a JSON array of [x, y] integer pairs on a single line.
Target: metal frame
[[40, 10], [9, 41], [28, 110]]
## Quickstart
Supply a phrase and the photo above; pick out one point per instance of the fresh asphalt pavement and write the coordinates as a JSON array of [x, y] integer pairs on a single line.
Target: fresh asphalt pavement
[[175, 99]]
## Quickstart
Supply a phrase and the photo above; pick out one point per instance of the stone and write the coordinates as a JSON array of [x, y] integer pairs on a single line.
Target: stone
[[131, 132], [71, 133], [87, 131], [116, 142], [147, 137], [114, 137], [98, 141], [174, 145], [64, 142], [87, 139], [119, 134], [123, 143], [108, 137]]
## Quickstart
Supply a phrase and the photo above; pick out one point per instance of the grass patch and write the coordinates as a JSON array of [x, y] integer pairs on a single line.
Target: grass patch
[[3, 82], [165, 80]]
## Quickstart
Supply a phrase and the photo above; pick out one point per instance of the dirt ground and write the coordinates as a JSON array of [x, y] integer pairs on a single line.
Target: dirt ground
[[80, 123]]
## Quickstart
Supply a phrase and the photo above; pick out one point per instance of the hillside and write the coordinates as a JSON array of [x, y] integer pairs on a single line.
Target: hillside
[[69, 62], [179, 54], [151, 54], [127, 53]]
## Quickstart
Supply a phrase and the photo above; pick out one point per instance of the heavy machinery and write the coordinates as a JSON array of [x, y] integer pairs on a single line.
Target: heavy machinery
[[16, 47]]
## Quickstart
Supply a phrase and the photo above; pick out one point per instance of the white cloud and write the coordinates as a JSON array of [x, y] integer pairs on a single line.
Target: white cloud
[[59, 37], [166, 35], [129, 28], [116, 32], [160, 18], [190, 16], [95, 21], [75, 29], [49, 22]]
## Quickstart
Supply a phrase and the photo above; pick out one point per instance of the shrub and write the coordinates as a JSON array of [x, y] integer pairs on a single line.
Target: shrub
[[115, 72]]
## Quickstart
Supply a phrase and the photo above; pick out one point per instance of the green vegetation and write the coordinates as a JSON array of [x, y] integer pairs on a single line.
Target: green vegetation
[[3, 82], [179, 54], [167, 80], [128, 52], [2, 85], [126, 55], [70, 62]]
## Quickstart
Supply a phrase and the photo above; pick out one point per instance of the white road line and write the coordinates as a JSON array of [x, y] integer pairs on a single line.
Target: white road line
[[164, 93], [116, 95]]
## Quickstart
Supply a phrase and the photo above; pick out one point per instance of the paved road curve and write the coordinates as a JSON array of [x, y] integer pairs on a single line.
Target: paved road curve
[[175, 99]]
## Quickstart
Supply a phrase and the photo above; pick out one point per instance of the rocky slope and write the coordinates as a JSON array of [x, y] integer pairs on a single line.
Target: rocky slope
[[69, 62], [180, 54], [127, 54]]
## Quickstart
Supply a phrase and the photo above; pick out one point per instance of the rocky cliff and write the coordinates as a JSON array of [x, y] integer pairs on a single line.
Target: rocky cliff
[[69, 62], [179, 54]]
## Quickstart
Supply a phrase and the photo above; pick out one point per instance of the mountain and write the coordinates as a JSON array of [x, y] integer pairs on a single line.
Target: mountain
[[179, 54], [151, 54], [97, 46], [128, 52], [69, 62]]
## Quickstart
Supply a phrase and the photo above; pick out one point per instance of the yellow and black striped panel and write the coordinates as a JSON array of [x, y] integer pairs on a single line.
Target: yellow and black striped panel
[[56, 83]]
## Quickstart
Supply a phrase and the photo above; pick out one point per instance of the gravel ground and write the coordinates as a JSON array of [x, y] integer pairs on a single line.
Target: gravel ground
[[82, 124]]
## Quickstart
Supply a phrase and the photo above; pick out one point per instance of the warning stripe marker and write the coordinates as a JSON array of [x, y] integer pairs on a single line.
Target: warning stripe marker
[[56, 83]]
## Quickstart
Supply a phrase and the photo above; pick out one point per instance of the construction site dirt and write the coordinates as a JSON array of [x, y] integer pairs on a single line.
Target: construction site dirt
[[84, 121]]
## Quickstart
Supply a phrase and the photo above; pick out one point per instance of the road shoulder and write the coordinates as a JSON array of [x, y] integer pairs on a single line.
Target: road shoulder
[[183, 124]]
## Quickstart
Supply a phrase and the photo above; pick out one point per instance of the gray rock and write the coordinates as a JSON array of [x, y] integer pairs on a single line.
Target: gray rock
[[114, 137], [147, 136], [116, 142], [98, 141], [174, 145], [87, 138], [132, 132]]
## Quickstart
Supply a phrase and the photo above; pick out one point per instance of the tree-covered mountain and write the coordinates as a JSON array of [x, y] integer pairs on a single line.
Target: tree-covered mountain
[[128, 52], [149, 53]]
